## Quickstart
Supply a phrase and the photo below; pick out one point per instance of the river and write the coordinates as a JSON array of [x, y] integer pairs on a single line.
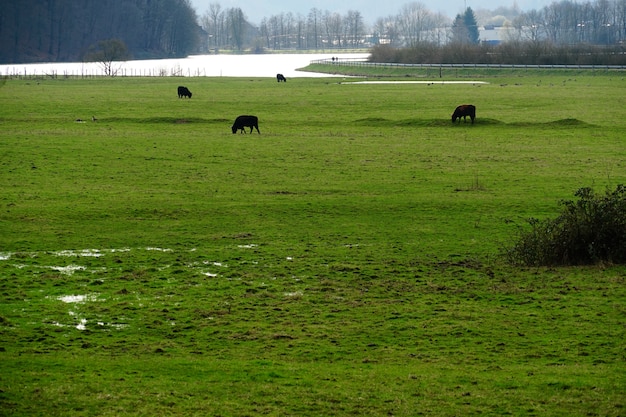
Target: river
[[262, 65]]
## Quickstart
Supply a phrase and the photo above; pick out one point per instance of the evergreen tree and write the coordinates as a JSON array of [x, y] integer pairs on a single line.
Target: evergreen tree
[[465, 28], [469, 20]]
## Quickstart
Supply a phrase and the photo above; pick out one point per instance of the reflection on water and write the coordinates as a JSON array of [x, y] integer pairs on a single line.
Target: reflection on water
[[267, 65]]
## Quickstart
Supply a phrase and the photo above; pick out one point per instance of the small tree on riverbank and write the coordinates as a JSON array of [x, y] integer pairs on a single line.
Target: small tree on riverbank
[[106, 52]]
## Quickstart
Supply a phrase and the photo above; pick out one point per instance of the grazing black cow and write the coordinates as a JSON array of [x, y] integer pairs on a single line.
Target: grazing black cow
[[281, 77], [183, 92], [464, 111], [241, 122]]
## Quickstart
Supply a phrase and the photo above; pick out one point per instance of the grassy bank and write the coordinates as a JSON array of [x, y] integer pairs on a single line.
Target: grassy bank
[[344, 261], [398, 71]]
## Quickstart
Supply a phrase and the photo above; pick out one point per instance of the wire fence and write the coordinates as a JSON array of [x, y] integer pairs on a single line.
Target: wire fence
[[31, 73], [359, 62], [94, 71]]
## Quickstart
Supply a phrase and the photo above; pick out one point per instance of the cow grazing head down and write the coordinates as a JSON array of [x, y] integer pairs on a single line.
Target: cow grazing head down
[[464, 111], [281, 77], [243, 121], [183, 92]]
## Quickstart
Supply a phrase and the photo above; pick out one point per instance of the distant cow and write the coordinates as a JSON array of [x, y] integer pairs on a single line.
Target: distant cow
[[183, 92], [281, 77], [464, 111], [241, 122]]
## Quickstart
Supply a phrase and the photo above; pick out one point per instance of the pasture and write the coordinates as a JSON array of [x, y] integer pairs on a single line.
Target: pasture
[[343, 262]]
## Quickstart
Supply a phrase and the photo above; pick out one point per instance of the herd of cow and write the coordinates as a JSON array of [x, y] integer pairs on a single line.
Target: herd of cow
[[241, 122]]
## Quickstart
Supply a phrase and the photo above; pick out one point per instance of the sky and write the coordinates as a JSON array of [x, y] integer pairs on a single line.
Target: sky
[[256, 10]]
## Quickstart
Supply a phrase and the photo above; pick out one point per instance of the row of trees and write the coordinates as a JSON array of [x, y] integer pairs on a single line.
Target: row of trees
[[319, 30], [602, 22], [322, 29], [61, 30], [228, 28], [564, 22]]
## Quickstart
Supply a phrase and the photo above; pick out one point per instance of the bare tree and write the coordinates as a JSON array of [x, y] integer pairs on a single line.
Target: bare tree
[[179, 36], [386, 29], [213, 23], [620, 21], [333, 25], [106, 53], [603, 13], [236, 26], [314, 28], [289, 30], [414, 20], [300, 26], [439, 30], [264, 32], [354, 27], [527, 27]]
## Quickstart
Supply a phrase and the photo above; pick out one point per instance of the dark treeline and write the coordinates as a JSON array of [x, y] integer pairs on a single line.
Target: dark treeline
[[64, 30]]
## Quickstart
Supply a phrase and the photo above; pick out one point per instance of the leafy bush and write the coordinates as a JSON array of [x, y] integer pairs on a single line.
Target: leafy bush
[[588, 231]]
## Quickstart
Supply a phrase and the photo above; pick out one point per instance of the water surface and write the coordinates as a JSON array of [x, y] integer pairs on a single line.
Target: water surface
[[264, 65]]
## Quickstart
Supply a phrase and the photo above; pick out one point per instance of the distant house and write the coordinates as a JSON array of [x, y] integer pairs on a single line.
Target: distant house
[[495, 35], [491, 35]]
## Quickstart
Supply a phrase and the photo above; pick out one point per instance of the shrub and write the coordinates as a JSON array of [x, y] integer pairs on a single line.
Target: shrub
[[588, 231], [509, 53]]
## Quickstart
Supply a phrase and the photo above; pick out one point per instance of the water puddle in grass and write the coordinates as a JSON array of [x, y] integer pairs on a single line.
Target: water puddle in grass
[[80, 316], [159, 249], [85, 252], [295, 294], [217, 264], [416, 82], [201, 266], [250, 246], [81, 324], [77, 298], [206, 268], [68, 270], [101, 252]]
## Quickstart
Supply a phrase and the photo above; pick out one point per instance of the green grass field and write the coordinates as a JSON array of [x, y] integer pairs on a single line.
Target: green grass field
[[346, 261]]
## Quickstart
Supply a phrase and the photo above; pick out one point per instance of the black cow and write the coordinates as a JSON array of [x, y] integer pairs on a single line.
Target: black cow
[[464, 111], [241, 122], [281, 77], [183, 92]]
